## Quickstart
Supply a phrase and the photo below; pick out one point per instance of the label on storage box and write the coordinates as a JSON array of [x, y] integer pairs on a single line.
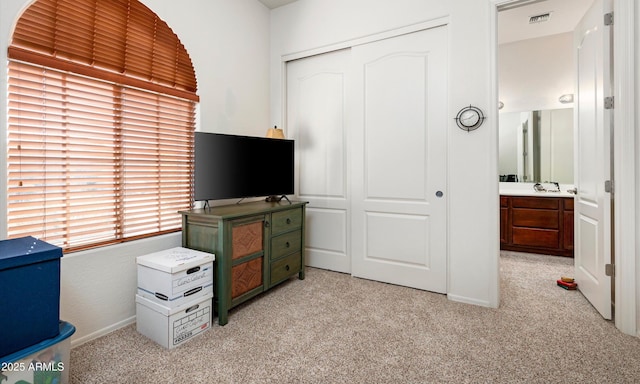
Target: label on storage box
[[196, 320], [183, 283]]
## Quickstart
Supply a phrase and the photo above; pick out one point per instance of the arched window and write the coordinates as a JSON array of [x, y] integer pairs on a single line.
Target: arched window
[[102, 99]]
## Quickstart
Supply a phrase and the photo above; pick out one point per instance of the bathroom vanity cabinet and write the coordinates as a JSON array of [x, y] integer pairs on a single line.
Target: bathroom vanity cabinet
[[537, 224]]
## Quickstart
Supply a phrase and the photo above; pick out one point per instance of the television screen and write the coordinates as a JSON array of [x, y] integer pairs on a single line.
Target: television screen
[[230, 166]]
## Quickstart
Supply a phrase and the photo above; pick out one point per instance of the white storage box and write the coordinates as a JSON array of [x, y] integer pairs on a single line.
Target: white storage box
[[171, 327], [44, 362], [175, 276]]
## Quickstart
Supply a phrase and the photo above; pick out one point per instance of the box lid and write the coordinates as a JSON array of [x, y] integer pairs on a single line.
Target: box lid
[[166, 311], [175, 259], [26, 250], [66, 330]]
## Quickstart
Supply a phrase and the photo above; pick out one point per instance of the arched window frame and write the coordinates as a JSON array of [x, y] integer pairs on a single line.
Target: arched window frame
[[102, 99]]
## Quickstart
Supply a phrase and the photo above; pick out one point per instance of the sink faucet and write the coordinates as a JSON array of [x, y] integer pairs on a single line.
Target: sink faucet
[[557, 185], [539, 187]]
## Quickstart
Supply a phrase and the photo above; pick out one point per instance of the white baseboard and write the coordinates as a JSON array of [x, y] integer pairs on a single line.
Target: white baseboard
[[101, 332], [467, 300]]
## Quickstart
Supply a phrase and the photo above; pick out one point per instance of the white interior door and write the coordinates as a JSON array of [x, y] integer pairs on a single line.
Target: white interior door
[[316, 96], [399, 152], [593, 164]]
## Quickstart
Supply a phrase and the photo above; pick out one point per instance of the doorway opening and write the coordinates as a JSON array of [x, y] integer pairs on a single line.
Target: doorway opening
[[542, 49], [536, 86]]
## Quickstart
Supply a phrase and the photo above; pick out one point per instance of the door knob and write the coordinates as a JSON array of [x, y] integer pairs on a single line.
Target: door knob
[[439, 194]]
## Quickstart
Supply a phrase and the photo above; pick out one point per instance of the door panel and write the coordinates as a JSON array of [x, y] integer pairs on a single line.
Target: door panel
[[394, 92], [592, 206], [316, 94], [320, 103], [326, 239], [397, 239], [398, 160]]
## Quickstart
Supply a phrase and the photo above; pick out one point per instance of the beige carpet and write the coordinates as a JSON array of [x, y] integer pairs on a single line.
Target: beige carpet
[[333, 328]]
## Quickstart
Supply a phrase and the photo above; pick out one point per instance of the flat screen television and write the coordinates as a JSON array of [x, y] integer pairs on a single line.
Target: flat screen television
[[232, 166]]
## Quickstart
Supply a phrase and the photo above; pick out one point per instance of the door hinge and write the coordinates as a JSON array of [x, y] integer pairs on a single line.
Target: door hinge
[[608, 18], [608, 186], [609, 269], [608, 102]]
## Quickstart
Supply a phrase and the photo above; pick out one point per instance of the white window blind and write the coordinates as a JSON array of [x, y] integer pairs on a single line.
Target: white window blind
[[92, 162]]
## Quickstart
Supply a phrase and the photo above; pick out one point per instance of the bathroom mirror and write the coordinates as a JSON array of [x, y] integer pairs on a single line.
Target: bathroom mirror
[[536, 146]]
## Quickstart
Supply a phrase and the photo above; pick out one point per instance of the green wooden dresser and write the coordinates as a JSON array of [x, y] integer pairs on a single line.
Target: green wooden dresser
[[257, 245]]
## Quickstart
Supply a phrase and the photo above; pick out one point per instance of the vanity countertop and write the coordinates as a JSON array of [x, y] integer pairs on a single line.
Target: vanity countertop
[[526, 189]]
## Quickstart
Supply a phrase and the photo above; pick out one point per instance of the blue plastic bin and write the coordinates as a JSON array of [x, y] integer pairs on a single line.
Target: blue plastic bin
[[29, 293], [45, 362]]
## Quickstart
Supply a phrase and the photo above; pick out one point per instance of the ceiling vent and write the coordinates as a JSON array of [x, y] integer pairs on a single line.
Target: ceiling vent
[[540, 18]]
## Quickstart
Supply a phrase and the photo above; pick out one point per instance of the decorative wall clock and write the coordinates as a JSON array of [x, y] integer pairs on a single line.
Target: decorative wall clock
[[469, 118]]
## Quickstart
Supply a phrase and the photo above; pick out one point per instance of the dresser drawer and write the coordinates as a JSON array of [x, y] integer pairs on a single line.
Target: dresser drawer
[[534, 237], [535, 202], [538, 218], [284, 244], [285, 267], [283, 221]]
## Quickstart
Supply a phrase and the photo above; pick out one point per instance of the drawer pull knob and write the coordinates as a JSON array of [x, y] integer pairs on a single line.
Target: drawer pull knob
[[287, 267], [288, 220], [287, 244]]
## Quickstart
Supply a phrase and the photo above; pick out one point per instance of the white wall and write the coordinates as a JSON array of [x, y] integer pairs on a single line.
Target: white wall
[[228, 41], [315, 26], [535, 72]]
